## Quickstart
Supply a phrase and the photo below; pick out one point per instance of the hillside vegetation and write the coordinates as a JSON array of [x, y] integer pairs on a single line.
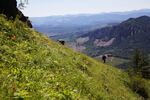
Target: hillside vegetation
[[34, 67]]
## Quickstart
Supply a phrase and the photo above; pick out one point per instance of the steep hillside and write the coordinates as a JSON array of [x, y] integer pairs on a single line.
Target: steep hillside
[[34, 67], [120, 39]]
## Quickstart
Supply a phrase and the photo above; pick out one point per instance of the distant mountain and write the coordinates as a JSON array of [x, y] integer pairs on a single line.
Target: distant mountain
[[120, 39], [58, 25]]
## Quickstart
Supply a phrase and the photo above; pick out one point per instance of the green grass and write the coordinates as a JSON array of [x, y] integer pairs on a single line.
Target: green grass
[[34, 67]]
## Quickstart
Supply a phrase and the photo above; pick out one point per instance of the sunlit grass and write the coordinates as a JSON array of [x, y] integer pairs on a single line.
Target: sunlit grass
[[34, 67]]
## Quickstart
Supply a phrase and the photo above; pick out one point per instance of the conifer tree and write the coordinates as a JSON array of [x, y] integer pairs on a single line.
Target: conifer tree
[[140, 63]]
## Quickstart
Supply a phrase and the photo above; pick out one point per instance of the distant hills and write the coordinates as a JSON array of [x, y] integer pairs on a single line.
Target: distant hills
[[120, 39], [72, 24]]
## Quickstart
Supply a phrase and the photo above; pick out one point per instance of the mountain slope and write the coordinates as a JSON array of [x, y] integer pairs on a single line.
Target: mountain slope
[[120, 39], [34, 67]]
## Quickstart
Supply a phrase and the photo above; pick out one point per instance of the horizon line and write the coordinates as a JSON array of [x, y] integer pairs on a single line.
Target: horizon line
[[90, 13]]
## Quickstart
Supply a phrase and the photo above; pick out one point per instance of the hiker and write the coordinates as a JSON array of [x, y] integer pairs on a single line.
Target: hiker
[[104, 58], [61, 42]]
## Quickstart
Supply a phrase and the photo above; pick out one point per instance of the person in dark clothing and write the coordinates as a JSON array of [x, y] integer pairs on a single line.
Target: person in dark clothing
[[61, 42], [104, 58]]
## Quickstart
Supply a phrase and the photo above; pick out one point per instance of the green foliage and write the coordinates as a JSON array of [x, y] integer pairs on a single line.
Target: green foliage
[[140, 86], [138, 72], [139, 60], [34, 67], [146, 72], [140, 63]]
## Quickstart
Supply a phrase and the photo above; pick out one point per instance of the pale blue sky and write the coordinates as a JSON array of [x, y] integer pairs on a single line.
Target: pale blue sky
[[38, 8]]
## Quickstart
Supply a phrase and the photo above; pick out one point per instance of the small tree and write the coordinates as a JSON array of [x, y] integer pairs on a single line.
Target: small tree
[[139, 61]]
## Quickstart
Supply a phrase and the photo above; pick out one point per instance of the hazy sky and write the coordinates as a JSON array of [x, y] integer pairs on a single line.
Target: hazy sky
[[62, 7]]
